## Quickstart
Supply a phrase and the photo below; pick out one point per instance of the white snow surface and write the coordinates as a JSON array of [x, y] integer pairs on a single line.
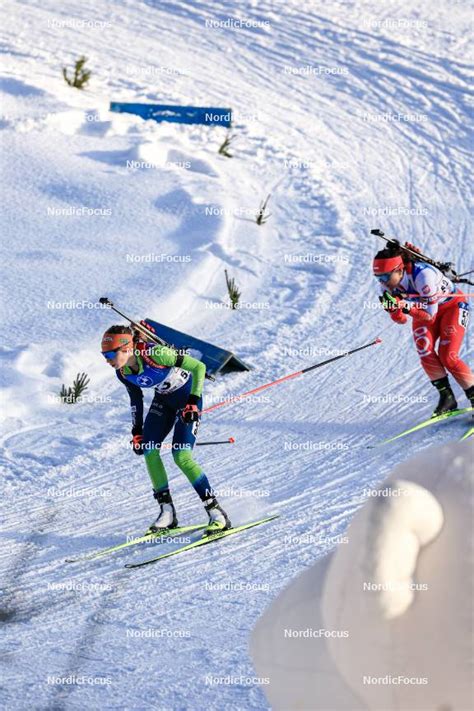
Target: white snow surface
[[165, 636]]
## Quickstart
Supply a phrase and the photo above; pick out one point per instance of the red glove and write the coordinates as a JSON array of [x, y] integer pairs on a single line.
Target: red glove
[[413, 247], [190, 413], [398, 316], [137, 444]]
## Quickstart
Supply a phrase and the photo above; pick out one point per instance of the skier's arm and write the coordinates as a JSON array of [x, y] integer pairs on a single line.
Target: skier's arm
[[421, 312], [136, 403], [428, 286], [391, 304], [162, 355]]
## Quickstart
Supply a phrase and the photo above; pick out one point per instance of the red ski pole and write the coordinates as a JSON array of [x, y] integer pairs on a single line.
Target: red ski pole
[[290, 376]]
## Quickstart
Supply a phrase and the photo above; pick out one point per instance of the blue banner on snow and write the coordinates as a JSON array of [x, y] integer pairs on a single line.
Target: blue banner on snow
[[209, 116], [217, 360]]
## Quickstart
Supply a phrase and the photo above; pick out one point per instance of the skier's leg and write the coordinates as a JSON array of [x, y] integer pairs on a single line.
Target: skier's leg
[[425, 336], [184, 438], [454, 320], [158, 424]]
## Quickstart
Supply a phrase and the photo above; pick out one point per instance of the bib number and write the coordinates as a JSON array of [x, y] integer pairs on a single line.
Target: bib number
[[463, 318], [175, 380]]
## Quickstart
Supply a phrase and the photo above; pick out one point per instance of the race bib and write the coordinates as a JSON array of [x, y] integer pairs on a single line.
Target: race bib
[[175, 380], [463, 317]]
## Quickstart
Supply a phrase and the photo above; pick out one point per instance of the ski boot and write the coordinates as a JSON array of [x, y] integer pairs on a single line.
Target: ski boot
[[167, 518], [218, 519], [470, 396], [447, 401]]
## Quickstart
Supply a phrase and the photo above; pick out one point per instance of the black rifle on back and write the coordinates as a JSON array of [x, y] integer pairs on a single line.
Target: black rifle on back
[[149, 335], [446, 267]]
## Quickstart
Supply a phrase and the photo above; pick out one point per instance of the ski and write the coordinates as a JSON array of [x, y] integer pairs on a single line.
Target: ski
[[421, 425], [168, 533], [203, 541], [468, 433]]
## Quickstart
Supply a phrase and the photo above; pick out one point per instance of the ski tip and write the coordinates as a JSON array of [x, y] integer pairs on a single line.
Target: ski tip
[[378, 340], [231, 440]]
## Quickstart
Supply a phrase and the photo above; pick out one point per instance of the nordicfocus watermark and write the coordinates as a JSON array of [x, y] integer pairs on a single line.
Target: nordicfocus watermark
[[229, 680], [158, 258], [79, 680], [392, 117], [394, 211], [152, 633], [309, 538], [152, 71], [228, 491], [183, 209], [237, 587], [160, 446], [396, 23], [213, 211], [82, 211], [377, 305], [309, 351], [394, 398], [71, 305], [249, 399], [385, 493], [309, 633], [241, 306], [318, 70], [394, 586], [160, 539], [147, 165], [396, 680], [89, 399], [150, 350], [233, 23], [79, 493], [316, 258], [74, 24], [80, 587], [236, 117], [298, 164], [315, 446], [373, 306]]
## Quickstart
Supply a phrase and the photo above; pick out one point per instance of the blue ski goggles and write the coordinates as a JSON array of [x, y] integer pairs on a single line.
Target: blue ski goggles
[[110, 355], [384, 278]]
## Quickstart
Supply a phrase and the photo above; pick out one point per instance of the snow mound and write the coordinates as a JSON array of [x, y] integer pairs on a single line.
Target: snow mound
[[381, 622]]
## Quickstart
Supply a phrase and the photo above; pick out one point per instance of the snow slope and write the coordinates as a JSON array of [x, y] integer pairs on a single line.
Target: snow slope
[[312, 90]]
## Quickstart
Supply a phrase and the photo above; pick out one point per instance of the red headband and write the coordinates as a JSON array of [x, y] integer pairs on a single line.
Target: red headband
[[386, 265], [112, 341]]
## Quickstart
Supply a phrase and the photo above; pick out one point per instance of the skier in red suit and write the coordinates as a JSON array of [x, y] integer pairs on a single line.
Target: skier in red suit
[[439, 311]]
